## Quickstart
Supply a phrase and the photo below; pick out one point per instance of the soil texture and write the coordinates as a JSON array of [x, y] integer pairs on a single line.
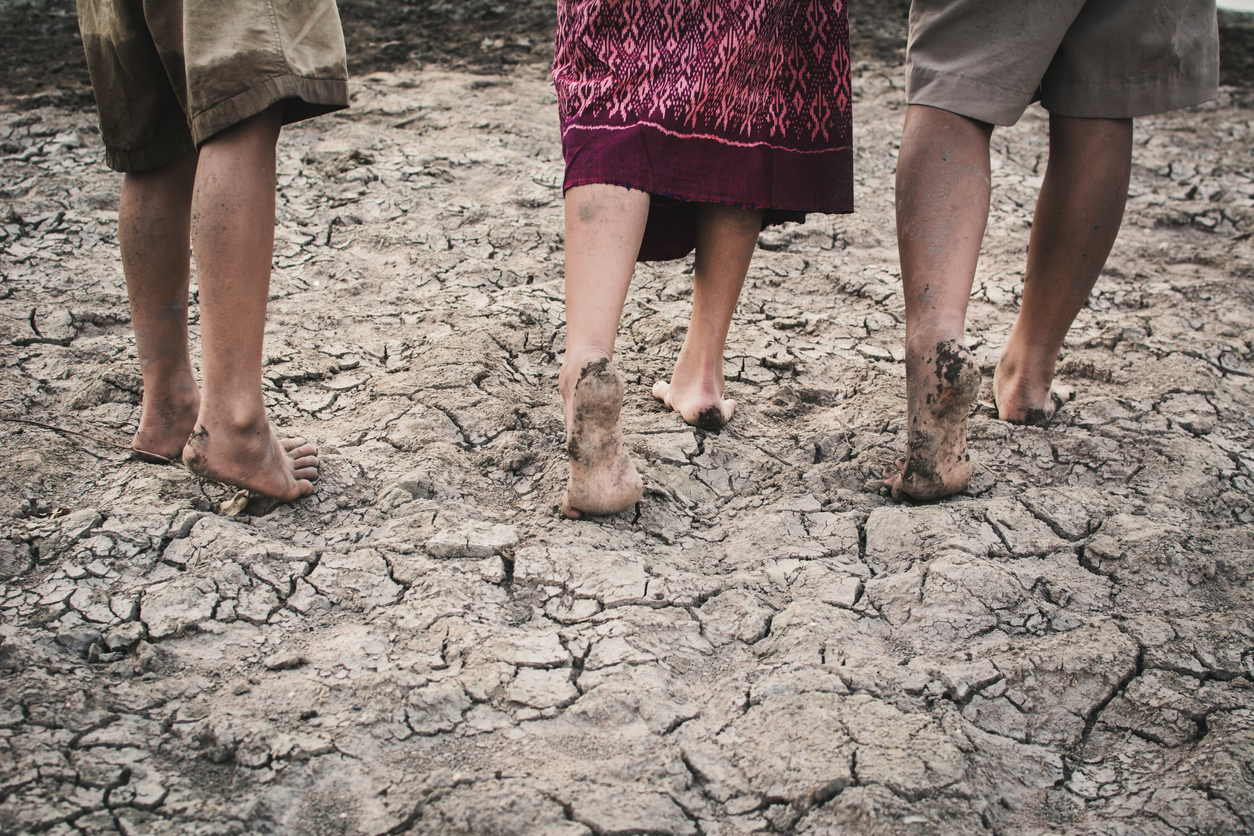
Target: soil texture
[[765, 643]]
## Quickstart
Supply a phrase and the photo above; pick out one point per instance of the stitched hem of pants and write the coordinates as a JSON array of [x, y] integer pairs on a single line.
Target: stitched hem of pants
[[303, 98], [165, 150], [1135, 98], [974, 98], [987, 102]]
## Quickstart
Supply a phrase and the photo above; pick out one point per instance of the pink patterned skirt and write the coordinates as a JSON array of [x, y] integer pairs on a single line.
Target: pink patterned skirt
[[741, 102]]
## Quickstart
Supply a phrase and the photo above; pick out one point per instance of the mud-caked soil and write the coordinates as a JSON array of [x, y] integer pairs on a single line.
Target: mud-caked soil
[[764, 644]]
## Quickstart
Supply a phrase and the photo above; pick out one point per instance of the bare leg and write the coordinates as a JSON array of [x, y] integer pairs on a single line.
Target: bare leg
[[233, 240], [943, 187], [726, 237], [604, 227], [1077, 218], [154, 234]]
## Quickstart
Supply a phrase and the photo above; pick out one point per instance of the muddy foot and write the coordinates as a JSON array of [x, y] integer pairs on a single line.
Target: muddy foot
[[166, 420], [942, 384], [1017, 405], [602, 478], [705, 411], [283, 469]]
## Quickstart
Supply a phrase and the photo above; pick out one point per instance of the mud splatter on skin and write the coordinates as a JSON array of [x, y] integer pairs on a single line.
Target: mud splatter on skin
[[1036, 418], [193, 458], [710, 419], [602, 478], [937, 463], [921, 469], [583, 412], [951, 362]]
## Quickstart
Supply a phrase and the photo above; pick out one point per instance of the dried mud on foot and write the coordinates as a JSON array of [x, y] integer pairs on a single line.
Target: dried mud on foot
[[764, 645]]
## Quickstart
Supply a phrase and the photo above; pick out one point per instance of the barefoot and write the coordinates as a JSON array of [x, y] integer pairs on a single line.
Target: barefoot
[[166, 420], [256, 460], [706, 411], [602, 478], [1020, 403], [943, 382]]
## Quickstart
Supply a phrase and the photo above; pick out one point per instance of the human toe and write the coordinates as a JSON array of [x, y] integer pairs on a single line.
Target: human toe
[[299, 448]]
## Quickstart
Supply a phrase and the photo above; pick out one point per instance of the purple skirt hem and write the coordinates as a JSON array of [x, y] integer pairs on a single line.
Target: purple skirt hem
[[684, 171]]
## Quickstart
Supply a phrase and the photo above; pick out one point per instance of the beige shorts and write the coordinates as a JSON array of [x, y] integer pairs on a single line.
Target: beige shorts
[[1112, 59], [169, 74]]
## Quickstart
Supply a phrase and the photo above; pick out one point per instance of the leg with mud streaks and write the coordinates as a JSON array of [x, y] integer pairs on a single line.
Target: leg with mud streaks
[[943, 191]]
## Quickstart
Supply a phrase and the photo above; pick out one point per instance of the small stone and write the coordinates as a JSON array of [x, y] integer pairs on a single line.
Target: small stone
[[79, 524], [148, 657], [253, 755], [176, 608], [676, 448], [417, 484], [916, 683], [571, 612], [345, 382], [78, 639], [225, 613], [256, 605], [148, 795], [125, 606], [179, 553], [98, 568], [540, 688], [306, 599], [473, 540], [807, 504], [874, 352], [240, 688], [124, 636], [15, 559], [492, 570], [283, 661], [313, 400], [529, 650], [436, 708], [58, 326], [93, 604], [100, 547], [299, 747]]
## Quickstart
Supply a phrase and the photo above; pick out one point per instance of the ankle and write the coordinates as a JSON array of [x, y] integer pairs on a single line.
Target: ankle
[[233, 420], [1019, 362], [165, 372], [925, 341]]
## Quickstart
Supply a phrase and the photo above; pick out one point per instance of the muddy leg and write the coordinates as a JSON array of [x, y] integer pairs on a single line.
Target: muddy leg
[[155, 238], [726, 237], [1077, 219], [604, 227], [943, 190], [233, 239]]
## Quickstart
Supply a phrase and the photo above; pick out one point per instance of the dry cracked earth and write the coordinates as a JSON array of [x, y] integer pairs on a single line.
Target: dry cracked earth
[[765, 644]]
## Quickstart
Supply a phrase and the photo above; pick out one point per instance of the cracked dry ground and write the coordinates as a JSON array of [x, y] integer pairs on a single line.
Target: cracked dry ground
[[764, 645]]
